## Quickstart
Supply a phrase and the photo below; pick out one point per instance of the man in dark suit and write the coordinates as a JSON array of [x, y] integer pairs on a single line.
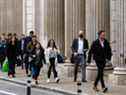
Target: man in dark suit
[[22, 49], [28, 39], [79, 49], [101, 51]]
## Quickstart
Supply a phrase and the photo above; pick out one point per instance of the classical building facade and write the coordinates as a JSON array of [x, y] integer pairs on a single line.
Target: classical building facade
[[11, 16], [62, 19], [49, 21]]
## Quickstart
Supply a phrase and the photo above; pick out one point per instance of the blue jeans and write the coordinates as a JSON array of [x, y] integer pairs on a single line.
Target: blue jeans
[[80, 59], [35, 72]]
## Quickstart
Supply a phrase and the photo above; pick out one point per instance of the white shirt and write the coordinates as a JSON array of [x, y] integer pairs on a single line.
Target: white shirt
[[80, 46], [51, 53], [22, 44], [102, 43]]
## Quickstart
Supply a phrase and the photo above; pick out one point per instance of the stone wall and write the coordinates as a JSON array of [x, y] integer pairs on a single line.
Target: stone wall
[[11, 16], [50, 21]]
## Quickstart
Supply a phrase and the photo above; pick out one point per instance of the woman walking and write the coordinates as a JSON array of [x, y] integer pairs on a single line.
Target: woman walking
[[11, 55], [51, 55], [39, 59]]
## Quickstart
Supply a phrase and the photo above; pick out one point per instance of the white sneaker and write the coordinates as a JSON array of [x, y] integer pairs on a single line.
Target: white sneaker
[[48, 80], [57, 80], [33, 82]]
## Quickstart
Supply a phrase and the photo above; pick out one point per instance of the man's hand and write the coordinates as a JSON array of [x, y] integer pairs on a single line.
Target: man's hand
[[75, 53], [108, 61], [88, 61]]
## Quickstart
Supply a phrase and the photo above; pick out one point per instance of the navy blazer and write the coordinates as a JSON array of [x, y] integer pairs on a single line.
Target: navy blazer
[[20, 43], [75, 46]]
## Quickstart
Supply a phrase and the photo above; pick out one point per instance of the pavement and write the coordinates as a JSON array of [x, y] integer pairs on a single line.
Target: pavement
[[9, 88], [66, 85]]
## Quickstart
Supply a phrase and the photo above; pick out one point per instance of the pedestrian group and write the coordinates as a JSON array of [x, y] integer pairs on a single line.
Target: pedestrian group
[[28, 53]]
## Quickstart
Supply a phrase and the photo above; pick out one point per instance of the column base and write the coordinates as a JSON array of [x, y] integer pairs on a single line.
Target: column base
[[118, 77], [65, 70], [91, 71]]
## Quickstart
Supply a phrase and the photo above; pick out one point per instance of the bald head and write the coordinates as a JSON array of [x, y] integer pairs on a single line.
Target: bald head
[[81, 34]]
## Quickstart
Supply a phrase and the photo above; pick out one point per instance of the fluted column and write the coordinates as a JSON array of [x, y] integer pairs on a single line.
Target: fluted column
[[118, 36], [39, 22], [74, 21], [11, 18], [54, 19], [50, 21], [97, 18]]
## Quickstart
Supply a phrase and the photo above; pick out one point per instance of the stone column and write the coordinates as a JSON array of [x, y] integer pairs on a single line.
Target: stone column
[[50, 21], [11, 18], [39, 22], [54, 21], [97, 18], [118, 36], [74, 21]]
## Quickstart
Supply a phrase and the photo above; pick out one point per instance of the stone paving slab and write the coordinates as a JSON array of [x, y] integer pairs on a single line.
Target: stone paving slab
[[65, 86]]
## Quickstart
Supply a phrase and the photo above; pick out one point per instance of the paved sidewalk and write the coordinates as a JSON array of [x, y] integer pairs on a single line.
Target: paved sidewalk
[[66, 86]]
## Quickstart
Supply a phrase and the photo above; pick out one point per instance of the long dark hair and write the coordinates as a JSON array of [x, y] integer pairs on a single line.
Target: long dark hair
[[49, 44]]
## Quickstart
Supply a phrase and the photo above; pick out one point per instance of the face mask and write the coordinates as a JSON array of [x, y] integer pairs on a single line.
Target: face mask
[[81, 36]]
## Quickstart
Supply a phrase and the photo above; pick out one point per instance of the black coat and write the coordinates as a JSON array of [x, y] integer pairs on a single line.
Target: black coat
[[11, 51], [75, 49], [75, 46], [39, 58], [100, 53]]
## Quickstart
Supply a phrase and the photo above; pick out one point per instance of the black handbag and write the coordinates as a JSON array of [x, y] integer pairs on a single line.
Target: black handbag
[[74, 59]]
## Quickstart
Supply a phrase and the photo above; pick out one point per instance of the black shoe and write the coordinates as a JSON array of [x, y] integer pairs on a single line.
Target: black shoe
[[75, 80], [29, 75], [84, 81], [57, 80], [95, 89], [105, 90], [13, 76], [36, 82]]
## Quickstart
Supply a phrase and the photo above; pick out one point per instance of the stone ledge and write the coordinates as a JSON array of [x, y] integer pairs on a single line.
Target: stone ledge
[[54, 89], [117, 79], [91, 71]]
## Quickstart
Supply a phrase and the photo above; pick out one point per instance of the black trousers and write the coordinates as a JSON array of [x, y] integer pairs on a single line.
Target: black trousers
[[27, 65], [52, 67], [22, 60], [100, 73], [11, 63], [76, 71]]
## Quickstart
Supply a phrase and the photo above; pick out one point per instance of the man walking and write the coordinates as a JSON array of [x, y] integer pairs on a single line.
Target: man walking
[[22, 49], [101, 51], [28, 40], [79, 48]]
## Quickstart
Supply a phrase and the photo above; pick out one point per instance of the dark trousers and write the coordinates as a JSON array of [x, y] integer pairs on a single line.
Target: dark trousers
[[27, 65], [76, 71], [100, 73], [83, 71], [80, 61], [11, 63], [2, 59], [52, 67], [23, 59]]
